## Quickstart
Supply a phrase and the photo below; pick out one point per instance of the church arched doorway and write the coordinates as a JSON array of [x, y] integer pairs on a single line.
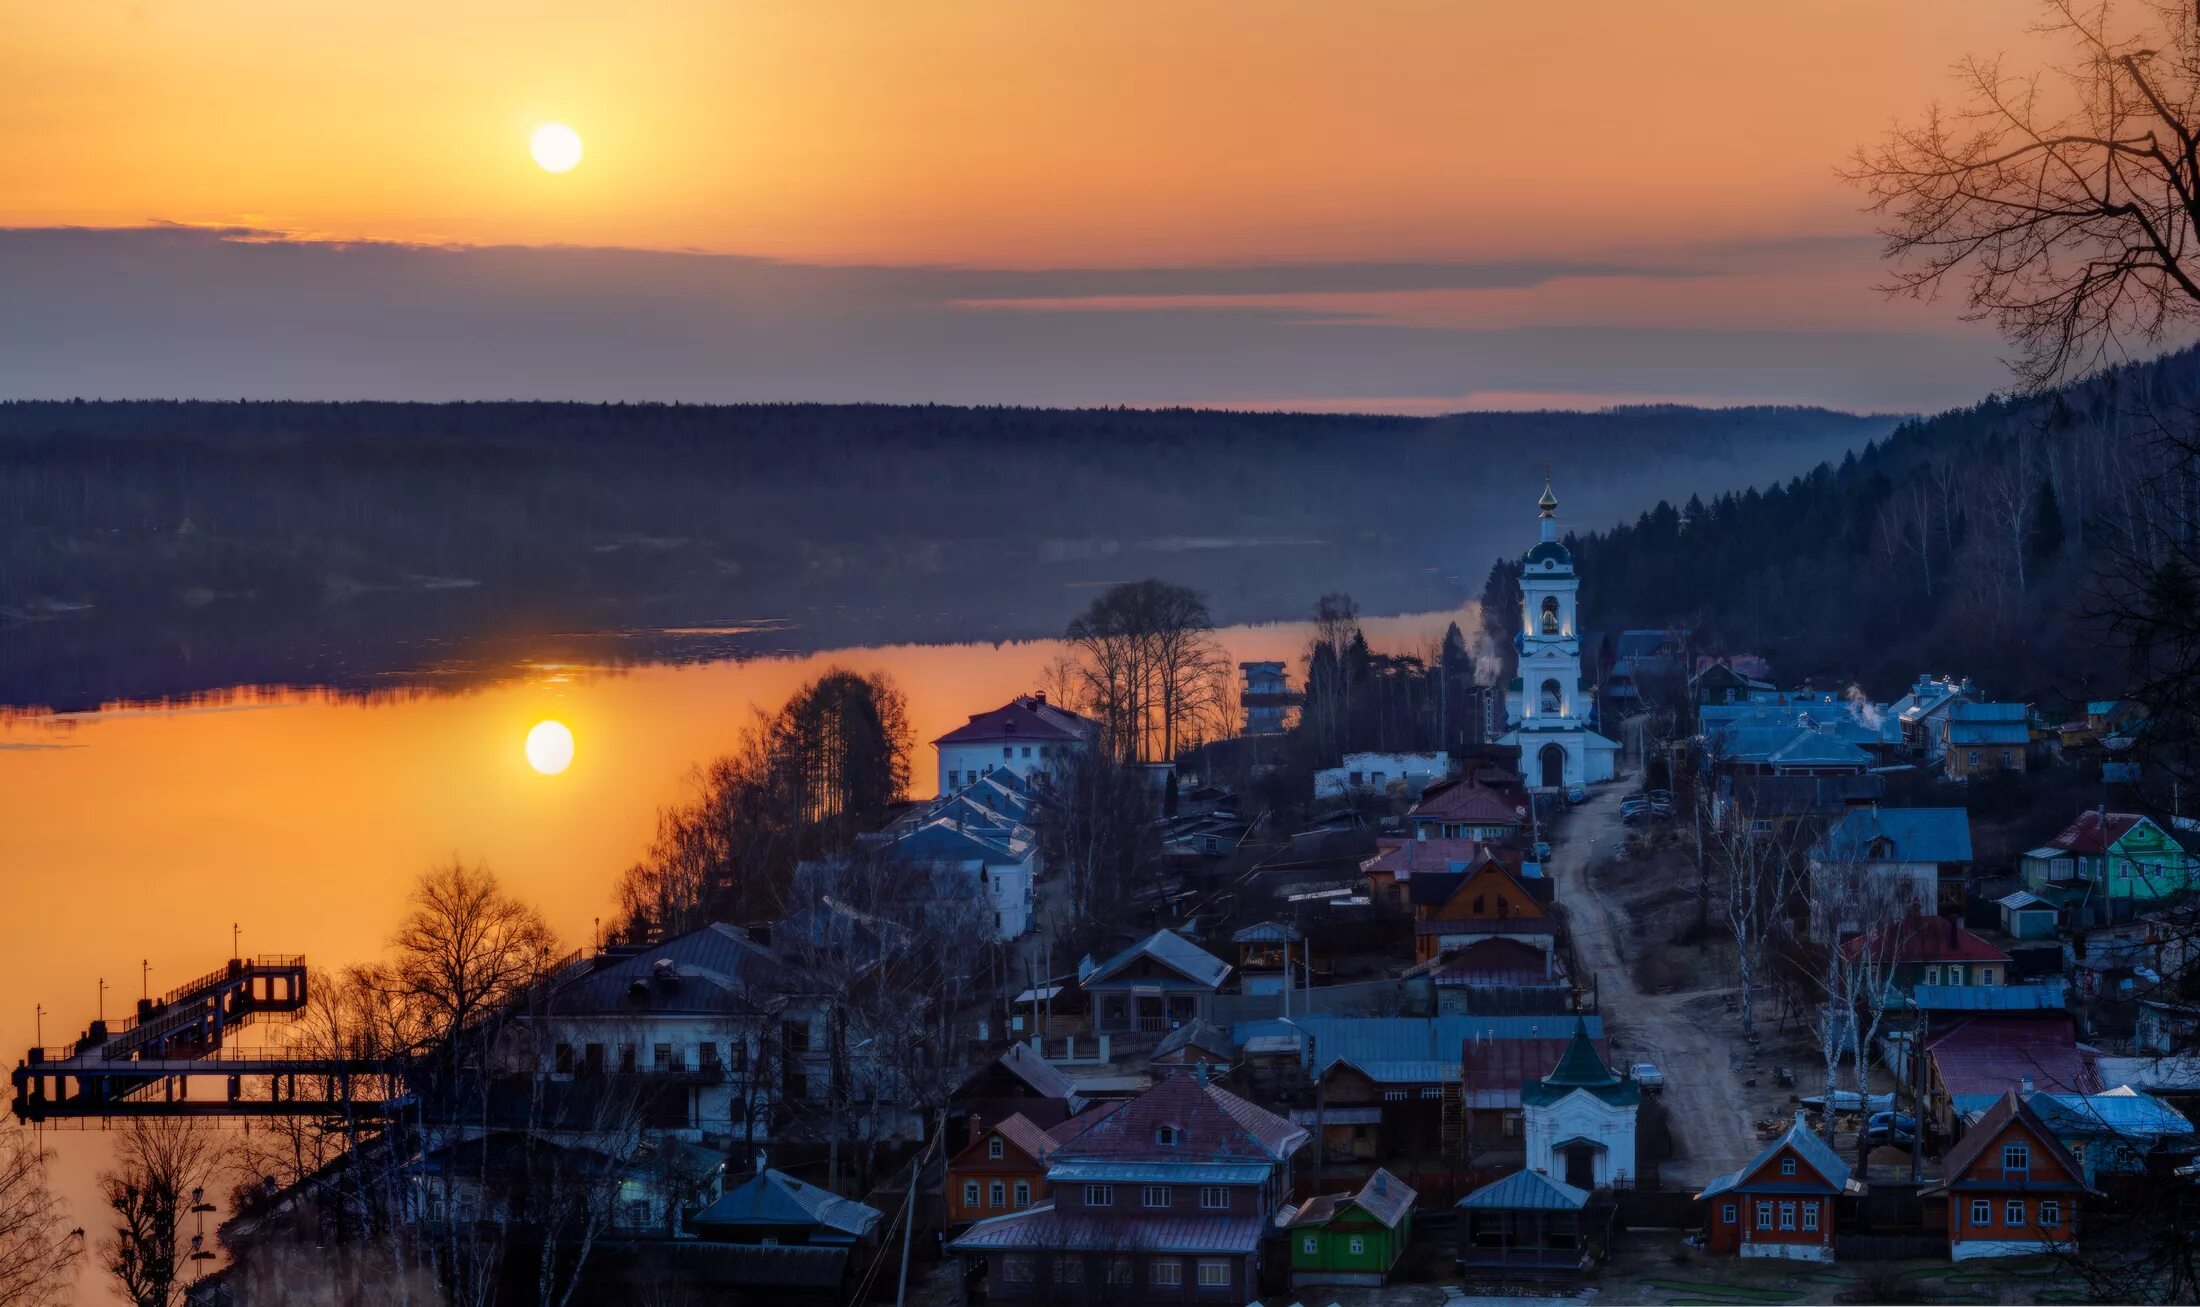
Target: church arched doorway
[[1553, 760]]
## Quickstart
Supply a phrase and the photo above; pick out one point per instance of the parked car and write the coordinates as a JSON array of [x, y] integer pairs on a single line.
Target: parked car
[[1578, 794], [1887, 1137], [1647, 1075], [1661, 802], [1891, 1121]]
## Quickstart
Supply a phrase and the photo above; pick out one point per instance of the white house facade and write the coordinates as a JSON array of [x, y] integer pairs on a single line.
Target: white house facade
[[1027, 735], [1580, 1119]]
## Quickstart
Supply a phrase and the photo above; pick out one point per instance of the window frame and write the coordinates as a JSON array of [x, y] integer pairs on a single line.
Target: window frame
[[1731, 1214], [1021, 1195], [996, 1194], [996, 1148], [1148, 1193], [1977, 1219], [1099, 1195], [1222, 1277], [1810, 1217], [972, 1191], [1787, 1216], [1214, 1198], [2050, 1213], [1165, 1273], [1764, 1214], [1787, 1165], [2012, 1213]]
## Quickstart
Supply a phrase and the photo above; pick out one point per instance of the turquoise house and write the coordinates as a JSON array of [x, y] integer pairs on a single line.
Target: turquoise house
[[1352, 1239], [2110, 866]]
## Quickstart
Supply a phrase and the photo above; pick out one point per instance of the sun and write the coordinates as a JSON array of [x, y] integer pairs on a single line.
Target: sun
[[556, 147], [550, 748]]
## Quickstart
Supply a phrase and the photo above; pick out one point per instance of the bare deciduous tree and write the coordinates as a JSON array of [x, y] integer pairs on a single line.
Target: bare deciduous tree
[[466, 948], [2069, 196], [161, 1166], [38, 1251]]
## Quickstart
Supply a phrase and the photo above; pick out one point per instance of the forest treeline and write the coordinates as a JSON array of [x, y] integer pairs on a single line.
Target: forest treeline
[[1976, 542], [343, 543]]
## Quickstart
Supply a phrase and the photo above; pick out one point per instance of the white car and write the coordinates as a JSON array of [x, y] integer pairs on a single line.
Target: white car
[[1647, 1075]]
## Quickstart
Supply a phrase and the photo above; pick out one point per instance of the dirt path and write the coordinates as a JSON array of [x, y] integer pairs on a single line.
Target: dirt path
[[1685, 1034]]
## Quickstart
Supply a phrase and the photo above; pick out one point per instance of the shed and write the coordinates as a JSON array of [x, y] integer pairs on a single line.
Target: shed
[[2025, 915], [1528, 1222], [1352, 1239]]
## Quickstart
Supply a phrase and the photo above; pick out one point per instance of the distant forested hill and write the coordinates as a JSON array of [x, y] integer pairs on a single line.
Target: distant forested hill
[[160, 548], [1965, 543]]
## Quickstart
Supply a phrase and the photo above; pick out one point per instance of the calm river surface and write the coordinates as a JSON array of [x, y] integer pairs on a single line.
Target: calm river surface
[[140, 835]]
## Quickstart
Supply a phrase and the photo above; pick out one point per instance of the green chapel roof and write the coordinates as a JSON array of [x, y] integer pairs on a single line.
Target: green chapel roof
[[1582, 1068]]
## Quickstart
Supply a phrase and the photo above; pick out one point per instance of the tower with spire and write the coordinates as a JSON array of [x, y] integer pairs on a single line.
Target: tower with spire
[[1580, 1119], [1549, 704]]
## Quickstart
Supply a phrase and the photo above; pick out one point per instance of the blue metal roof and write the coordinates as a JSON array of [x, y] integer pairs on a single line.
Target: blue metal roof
[[1915, 834], [1085, 1171], [774, 1198], [1409, 1045], [1527, 1191], [1170, 950], [2046, 996], [1043, 1229], [2124, 1112]]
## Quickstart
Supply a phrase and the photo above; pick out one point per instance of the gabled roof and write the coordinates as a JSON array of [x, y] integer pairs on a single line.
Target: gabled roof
[[775, 1198], [2008, 1110], [1406, 859], [1026, 1065], [1026, 718], [1582, 1069], [1918, 938], [1169, 949], [1201, 1035], [1041, 1228], [1808, 1147], [1498, 960], [1982, 1057], [1912, 835], [1211, 1124], [1074, 1126], [1384, 1197], [1526, 1191], [1810, 748], [1468, 803], [2095, 831], [2036, 996], [1267, 932], [1021, 1132], [714, 969], [2123, 1112]]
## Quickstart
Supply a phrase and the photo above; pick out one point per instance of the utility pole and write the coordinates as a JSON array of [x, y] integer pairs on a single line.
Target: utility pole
[[909, 1206], [145, 978], [103, 1000]]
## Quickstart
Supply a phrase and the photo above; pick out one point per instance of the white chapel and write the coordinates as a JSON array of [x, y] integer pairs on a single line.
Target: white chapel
[[1547, 706]]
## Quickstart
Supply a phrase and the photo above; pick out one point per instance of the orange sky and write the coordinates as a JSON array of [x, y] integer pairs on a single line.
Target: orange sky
[[1015, 134], [1021, 133]]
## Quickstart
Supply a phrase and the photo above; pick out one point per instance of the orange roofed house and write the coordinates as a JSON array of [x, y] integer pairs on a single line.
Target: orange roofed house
[[1781, 1204], [1488, 899], [2012, 1188], [1004, 1169]]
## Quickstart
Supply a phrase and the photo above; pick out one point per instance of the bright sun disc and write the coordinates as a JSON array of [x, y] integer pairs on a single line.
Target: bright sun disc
[[549, 748], [556, 147]]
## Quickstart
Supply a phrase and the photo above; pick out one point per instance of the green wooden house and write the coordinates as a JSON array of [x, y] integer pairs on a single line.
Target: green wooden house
[[1352, 1239], [2110, 866]]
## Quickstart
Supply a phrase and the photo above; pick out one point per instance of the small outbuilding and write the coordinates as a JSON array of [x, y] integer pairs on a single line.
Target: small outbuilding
[[1352, 1239], [1528, 1222], [2025, 915]]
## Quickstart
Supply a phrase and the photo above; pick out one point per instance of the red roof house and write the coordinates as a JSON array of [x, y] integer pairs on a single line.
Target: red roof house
[[1781, 1204]]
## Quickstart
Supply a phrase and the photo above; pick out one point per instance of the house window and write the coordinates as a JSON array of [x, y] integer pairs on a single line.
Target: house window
[[1394, 1095], [1810, 1216], [1214, 1274], [794, 1036], [995, 1149], [663, 1055], [2016, 1157], [1357, 1246], [1982, 1211], [564, 1062], [2007, 757], [1120, 1271], [1214, 1198], [954, 779], [1432, 1093], [1787, 1166], [1932, 975], [626, 1059], [1155, 1195], [1165, 1274], [970, 1193], [1023, 1194], [1009, 751], [1310, 1245], [1099, 1195], [1727, 1215], [706, 1056], [1988, 976], [1511, 1125], [1069, 1270], [1974, 757], [1165, 1136], [1016, 1270], [1764, 1216], [592, 1059], [1787, 1216], [2012, 1213], [1955, 974], [1027, 751], [737, 1054], [996, 1194], [2050, 1212]]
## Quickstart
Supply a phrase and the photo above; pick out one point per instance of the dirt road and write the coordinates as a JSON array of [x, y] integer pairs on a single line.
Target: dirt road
[[1687, 1035]]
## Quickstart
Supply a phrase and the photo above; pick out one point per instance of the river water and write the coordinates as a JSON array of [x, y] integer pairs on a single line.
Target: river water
[[135, 838]]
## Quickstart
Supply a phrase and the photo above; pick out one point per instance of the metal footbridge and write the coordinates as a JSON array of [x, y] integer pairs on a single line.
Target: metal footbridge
[[175, 1056]]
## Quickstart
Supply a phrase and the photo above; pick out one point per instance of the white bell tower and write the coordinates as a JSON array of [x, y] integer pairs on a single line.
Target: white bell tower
[[1548, 705]]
